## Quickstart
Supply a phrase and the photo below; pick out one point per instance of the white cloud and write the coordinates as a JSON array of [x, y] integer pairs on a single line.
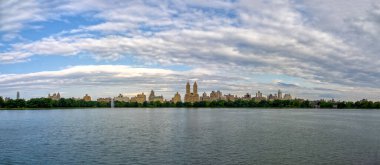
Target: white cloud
[[15, 14], [328, 44]]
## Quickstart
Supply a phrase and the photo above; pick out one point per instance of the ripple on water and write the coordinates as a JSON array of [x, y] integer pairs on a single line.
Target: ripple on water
[[181, 136]]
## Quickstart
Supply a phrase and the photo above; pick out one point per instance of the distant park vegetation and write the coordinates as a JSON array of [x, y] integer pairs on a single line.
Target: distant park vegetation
[[36, 103]]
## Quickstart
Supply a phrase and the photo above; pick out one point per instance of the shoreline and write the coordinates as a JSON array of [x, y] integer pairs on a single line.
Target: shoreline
[[279, 108]]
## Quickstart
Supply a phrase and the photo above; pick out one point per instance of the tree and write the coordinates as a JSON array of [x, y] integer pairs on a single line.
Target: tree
[[1, 102], [39, 103], [179, 104]]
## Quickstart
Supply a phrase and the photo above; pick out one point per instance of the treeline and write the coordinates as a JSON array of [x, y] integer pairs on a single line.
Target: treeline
[[49, 103], [74, 103]]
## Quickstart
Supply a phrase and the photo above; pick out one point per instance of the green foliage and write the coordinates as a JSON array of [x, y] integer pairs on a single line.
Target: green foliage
[[73, 103], [18, 103], [39, 103], [1, 102]]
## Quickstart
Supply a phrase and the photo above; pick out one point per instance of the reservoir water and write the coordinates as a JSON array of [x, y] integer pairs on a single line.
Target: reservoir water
[[190, 136]]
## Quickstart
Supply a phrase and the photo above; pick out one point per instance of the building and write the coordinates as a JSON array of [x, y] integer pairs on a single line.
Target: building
[[140, 98], [6, 99], [153, 98], [191, 97], [287, 97], [272, 97], [87, 98], [279, 95], [259, 96], [55, 96], [214, 96], [121, 98], [247, 97], [76, 99], [204, 97], [18, 95], [230, 97], [176, 98], [104, 100]]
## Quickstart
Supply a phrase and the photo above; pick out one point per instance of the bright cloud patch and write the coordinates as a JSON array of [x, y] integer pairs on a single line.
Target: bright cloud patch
[[231, 40]]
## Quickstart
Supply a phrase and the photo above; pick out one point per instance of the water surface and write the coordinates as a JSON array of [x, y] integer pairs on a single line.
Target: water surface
[[190, 136]]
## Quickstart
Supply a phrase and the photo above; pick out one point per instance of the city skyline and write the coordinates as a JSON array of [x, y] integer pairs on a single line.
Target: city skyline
[[311, 49], [189, 96]]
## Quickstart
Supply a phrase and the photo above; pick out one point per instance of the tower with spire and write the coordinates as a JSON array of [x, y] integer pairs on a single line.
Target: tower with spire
[[191, 97], [187, 87]]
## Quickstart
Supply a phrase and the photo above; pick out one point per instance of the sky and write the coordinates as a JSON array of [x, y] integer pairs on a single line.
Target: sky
[[312, 49]]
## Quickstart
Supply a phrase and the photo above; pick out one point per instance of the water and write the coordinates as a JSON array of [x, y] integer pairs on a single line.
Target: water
[[189, 136]]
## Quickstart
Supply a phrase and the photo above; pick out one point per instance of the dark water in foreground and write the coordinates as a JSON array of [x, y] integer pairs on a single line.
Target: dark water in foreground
[[188, 136]]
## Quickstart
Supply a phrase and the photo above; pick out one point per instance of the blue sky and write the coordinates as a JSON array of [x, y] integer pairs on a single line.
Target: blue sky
[[310, 49]]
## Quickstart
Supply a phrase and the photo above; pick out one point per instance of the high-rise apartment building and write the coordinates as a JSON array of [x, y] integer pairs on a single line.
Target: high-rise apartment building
[[191, 97]]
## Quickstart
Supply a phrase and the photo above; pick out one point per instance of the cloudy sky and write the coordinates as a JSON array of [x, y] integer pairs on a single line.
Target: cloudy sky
[[310, 48]]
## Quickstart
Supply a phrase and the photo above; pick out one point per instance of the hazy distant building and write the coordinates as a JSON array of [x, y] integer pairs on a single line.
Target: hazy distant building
[[140, 98], [247, 97], [287, 97], [104, 100], [7, 99], [191, 97], [55, 96], [272, 97], [204, 97], [279, 95], [230, 97], [214, 96], [259, 96], [176, 98], [153, 98], [74, 98], [121, 98], [87, 98], [18, 95]]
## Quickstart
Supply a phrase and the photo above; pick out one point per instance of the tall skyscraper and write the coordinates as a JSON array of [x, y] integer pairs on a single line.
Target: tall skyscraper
[[279, 95], [18, 95]]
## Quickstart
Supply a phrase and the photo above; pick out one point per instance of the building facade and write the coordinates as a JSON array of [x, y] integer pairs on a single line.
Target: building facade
[[279, 95], [287, 97], [153, 98], [259, 96], [87, 98], [104, 100], [55, 96], [140, 98], [176, 98], [230, 97], [204, 97], [191, 97], [247, 97], [121, 98], [215, 96]]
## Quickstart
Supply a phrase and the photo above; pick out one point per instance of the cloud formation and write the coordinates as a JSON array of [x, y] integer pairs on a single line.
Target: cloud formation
[[323, 43]]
